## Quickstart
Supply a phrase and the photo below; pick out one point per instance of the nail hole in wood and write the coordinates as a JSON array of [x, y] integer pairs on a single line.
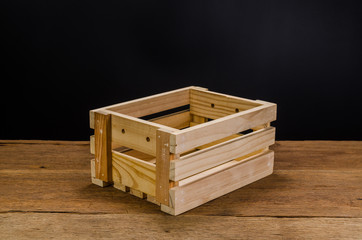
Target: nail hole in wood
[[212, 105], [236, 109], [123, 131], [148, 139]]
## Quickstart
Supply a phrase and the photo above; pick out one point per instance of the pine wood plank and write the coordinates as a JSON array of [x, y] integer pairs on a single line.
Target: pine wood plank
[[149, 105], [134, 173], [92, 144], [216, 105], [193, 194], [103, 146], [177, 120], [198, 135], [163, 158], [220, 153], [95, 180], [135, 133], [153, 104]]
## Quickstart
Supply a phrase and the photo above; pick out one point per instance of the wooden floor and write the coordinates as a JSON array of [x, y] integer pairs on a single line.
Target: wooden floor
[[315, 192]]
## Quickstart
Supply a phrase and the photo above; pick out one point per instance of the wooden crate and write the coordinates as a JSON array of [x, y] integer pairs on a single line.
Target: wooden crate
[[182, 148]]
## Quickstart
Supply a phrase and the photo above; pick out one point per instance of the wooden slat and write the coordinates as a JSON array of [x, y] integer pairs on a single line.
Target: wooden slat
[[92, 144], [191, 195], [198, 135], [162, 166], [215, 105], [96, 181], [103, 146], [177, 120], [134, 173], [140, 155], [138, 134], [198, 119], [209, 157], [153, 104]]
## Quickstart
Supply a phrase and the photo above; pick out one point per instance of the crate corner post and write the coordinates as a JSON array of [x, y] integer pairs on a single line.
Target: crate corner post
[[102, 164]]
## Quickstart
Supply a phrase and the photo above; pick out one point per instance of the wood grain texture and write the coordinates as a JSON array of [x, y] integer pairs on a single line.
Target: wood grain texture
[[153, 104], [135, 133], [95, 180], [150, 226], [201, 134], [177, 120], [92, 144], [314, 193], [215, 155], [163, 158], [148, 105], [227, 179], [216, 105], [134, 173], [103, 146]]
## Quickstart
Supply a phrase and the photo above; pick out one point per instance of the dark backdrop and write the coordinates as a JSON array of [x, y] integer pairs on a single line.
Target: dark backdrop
[[63, 58]]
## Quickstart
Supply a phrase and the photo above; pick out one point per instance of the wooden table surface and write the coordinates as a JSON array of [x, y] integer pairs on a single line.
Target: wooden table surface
[[315, 192]]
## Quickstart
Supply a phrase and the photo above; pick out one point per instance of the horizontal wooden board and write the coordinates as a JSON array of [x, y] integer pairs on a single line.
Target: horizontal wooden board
[[216, 105], [135, 133], [153, 104], [90, 226], [158, 226], [184, 140], [148, 105], [177, 120], [210, 157], [193, 194], [134, 173]]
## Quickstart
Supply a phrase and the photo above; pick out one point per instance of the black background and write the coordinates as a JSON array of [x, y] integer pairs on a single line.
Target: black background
[[63, 58]]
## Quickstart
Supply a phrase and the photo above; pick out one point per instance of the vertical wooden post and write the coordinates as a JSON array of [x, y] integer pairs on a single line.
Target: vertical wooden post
[[163, 157], [198, 119], [103, 146]]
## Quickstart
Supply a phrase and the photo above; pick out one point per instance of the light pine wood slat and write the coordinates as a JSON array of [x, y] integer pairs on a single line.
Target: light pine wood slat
[[177, 120], [134, 173], [163, 158], [216, 105], [211, 186], [184, 140], [103, 146], [135, 133], [215, 155]]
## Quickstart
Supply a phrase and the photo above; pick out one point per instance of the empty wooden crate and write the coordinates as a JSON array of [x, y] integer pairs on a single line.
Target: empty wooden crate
[[182, 148]]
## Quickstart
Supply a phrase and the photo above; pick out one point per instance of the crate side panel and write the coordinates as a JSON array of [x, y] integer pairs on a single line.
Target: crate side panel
[[191, 195], [198, 135], [218, 154], [153, 104], [215, 105], [134, 134], [134, 173]]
